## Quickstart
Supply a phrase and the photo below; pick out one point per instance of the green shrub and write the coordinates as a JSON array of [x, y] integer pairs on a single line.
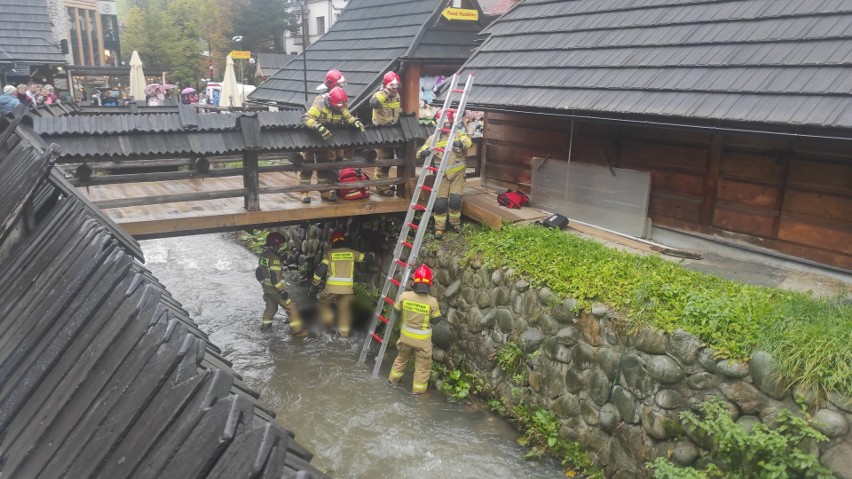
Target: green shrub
[[541, 434], [762, 453], [456, 382], [254, 240], [734, 319]]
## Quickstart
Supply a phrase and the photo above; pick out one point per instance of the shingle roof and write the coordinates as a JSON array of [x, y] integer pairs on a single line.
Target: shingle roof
[[25, 33], [367, 40], [764, 61], [270, 63], [102, 372]]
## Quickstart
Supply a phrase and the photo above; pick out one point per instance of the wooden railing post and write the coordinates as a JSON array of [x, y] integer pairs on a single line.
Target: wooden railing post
[[249, 125], [408, 170]]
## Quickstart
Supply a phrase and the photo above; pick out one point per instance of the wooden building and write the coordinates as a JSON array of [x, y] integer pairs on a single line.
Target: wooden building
[[370, 38], [741, 111]]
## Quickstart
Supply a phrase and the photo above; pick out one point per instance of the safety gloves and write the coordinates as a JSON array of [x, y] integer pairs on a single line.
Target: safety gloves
[[324, 132], [357, 123]]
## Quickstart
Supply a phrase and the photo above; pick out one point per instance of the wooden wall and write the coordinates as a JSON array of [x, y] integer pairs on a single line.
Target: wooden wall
[[790, 194]]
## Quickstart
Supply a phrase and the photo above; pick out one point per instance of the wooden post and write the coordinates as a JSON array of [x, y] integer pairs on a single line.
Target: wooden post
[[408, 170], [249, 125], [711, 180], [411, 89]]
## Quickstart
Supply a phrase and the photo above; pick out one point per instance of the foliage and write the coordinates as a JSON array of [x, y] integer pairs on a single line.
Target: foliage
[[762, 453], [254, 239], [663, 469], [541, 434], [734, 319], [510, 358], [456, 382], [262, 23]]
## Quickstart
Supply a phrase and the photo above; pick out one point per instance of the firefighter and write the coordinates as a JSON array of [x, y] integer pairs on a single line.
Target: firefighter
[[419, 312], [449, 198], [332, 79], [337, 270], [271, 278], [332, 111], [386, 109]]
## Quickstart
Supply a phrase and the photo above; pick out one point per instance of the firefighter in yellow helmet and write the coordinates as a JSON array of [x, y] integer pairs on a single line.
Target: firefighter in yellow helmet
[[269, 273], [386, 110], [332, 111], [419, 312], [337, 270], [449, 200]]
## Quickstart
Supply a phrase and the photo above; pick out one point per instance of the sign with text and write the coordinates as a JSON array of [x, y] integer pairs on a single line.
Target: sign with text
[[461, 14], [240, 55]]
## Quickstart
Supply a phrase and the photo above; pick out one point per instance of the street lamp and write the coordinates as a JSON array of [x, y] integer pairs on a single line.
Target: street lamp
[[237, 39]]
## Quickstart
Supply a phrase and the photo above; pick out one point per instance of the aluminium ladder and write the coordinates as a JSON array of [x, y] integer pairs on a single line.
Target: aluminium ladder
[[411, 223]]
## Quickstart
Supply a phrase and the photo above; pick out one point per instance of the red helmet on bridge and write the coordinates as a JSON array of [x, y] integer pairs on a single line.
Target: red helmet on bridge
[[333, 79], [337, 98], [423, 275], [336, 236], [391, 80], [274, 240]]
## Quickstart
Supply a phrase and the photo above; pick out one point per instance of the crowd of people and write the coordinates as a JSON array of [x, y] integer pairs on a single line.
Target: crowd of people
[[31, 95]]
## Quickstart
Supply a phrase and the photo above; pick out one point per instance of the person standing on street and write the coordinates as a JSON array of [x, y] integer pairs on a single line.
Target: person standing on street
[[270, 274], [9, 99], [338, 271], [419, 311], [386, 110]]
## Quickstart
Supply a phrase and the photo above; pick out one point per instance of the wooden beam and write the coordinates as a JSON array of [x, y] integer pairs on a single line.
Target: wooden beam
[[159, 176], [711, 180], [330, 186], [411, 89], [251, 181], [408, 170], [177, 198]]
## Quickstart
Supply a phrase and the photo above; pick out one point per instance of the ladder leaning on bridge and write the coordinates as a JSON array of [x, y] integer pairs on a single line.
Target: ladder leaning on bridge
[[444, 125]]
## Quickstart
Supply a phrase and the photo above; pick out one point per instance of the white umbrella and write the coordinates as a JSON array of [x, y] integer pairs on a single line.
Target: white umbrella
[[230, 93], [137, 78]]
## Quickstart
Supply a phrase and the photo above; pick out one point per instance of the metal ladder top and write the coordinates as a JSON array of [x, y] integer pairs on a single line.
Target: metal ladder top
[[411, 223]]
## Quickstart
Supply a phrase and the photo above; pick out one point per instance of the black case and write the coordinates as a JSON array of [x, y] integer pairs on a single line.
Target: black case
[[555, 221]]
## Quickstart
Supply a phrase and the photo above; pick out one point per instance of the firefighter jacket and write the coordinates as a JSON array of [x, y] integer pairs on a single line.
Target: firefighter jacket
[[386, 107], [338, 270], [457, 158], [323, 115], [269, 270], [419, 312]]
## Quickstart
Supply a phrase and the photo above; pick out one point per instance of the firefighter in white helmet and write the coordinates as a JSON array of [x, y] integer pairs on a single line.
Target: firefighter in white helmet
[[419, 311]]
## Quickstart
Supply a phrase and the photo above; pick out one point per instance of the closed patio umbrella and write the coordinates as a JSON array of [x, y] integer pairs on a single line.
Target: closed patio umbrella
[[137, 78], [230, 93]]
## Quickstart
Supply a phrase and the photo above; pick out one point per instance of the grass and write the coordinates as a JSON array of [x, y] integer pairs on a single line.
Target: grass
[[810, 338]]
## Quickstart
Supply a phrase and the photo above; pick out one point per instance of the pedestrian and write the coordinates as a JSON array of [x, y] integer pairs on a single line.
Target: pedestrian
[[50, 97], [33, 91], [23, 95], [338, 271], [448, 204], [419, 311], [9, 99], [386, 110], [270, 274], [332, 111]]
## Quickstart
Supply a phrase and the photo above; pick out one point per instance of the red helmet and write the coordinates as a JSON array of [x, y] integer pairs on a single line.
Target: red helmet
[[423, 275], [274, 240], [337, 98], [391, 80], [451, 115], [333, 79], [336, 236]]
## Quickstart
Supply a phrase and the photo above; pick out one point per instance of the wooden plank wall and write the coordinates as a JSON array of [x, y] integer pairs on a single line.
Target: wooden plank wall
[[792, 195]]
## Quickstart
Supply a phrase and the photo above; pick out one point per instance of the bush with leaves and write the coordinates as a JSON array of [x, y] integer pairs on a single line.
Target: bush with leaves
[[735, 453]]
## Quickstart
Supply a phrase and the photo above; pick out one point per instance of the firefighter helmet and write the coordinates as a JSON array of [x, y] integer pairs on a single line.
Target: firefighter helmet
[[450, 115], [274, 240], [333, 79], [336, 236], [423, 275], [391, 80], [337, 98]]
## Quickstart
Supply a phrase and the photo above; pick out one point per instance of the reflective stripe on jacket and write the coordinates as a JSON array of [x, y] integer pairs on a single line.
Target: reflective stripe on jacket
[[457, 159], [389, 110], [326, 116], [341, 270], [417, 311], [270, 264]]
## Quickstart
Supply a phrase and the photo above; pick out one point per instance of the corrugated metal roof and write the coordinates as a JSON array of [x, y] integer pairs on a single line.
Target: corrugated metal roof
[[368, 39], [25, 33], [103, 373], [764, 61]]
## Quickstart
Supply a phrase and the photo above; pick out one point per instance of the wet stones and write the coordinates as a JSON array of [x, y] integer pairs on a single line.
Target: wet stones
[[626, 404], [452, 289], [590, 329], [555, 351], [839, 459], [702, 381], [664, 369], [830, 423], [684, 346], [732, 369], [530, 340], [764, 372], [584, 356], [564, 311], [668, 399], [443, 335], [504, 320], [650, 341]]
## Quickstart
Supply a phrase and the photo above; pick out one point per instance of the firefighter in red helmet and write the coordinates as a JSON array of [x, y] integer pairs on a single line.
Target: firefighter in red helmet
[[419, 311], [386, 110], [270, 274], [448, 204], [337, 269], [333, 111]]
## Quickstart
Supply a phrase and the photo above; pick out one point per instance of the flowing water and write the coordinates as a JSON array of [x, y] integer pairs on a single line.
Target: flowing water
[[356, 426]]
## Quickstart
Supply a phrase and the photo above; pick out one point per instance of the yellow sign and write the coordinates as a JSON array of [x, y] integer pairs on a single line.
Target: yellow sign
[[461, 14], [240, 55]]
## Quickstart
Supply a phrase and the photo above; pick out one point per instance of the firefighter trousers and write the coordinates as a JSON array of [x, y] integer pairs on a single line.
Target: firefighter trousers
[[273, 298], [422, 351], [344, 311], [449, 201]]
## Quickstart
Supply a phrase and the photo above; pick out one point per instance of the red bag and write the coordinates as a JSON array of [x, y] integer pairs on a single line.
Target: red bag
[[351, 175], [513, 199]]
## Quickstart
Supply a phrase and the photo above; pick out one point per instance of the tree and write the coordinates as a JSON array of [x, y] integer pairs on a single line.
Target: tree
[[262, 23]]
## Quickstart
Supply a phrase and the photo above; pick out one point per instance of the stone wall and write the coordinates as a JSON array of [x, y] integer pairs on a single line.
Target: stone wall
[[617, 394]]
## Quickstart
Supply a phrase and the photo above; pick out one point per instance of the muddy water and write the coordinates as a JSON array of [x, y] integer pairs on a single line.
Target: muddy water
[[357, 427]]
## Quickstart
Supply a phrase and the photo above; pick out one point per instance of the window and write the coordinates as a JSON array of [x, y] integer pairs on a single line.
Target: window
[[320, 25]]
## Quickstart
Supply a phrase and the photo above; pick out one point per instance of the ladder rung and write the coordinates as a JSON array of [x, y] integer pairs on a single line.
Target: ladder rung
[[406, 244], [458, 90], [427, 188], [394, 281], [439, 149], [446, 130], [388, 300], [418, 206], [432, 168], [401, 263], [382, 318], [452, 110], [412, 225], [376, 337]]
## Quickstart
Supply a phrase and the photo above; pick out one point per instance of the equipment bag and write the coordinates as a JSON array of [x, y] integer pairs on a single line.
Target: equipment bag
[[513, 199], [555, 221], [350, 175]]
